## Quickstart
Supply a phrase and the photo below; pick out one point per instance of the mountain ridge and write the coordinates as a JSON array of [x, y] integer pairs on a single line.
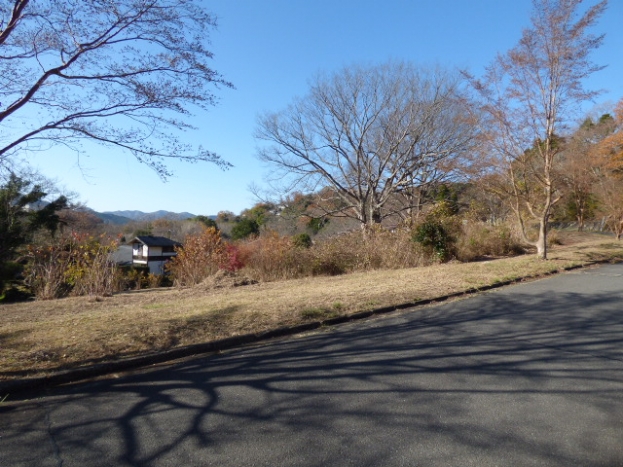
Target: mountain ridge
[[124, 217]]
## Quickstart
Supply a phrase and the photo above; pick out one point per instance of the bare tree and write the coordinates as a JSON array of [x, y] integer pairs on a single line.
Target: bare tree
[[123, 73], [369, 134], [530, 93]]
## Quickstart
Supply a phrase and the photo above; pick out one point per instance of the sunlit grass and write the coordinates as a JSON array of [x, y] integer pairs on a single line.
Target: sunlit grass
[[41, 336]]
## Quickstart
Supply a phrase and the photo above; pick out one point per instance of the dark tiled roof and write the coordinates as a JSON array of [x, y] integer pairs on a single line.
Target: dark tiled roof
[[151, 240]]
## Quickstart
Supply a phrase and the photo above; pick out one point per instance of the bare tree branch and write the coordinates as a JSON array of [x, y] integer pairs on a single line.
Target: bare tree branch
[[111, 71], [368, 135], [530, 94]]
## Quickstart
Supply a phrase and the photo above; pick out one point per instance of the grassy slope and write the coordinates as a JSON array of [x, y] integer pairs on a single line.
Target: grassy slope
[[44, 336]]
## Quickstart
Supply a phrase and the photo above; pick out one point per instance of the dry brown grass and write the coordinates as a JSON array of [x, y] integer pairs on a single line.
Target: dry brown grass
[[37, 337]]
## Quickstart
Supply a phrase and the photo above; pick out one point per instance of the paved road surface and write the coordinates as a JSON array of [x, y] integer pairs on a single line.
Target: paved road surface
[[529, 375]]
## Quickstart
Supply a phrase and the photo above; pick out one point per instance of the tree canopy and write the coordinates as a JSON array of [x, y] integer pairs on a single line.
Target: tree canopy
[[371, 135]]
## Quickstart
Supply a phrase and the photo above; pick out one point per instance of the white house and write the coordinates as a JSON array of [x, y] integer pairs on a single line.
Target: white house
[[153, 252]]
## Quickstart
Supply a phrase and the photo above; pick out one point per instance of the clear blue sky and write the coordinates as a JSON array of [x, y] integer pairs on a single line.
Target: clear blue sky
[[271, 49]]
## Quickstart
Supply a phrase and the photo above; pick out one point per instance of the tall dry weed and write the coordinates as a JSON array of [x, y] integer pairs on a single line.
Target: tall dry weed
[[394, 249], [93, 271], [44, 273], [478, 239], [76, 265], [273, 257]]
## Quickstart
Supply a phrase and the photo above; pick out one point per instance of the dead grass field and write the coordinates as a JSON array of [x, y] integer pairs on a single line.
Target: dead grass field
[[40, 337]]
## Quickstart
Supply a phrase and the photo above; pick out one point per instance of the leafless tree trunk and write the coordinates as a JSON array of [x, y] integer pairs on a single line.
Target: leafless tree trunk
[[370, 134], [530, 92]]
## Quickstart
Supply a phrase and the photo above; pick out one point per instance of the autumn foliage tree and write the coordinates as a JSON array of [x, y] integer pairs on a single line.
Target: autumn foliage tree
[[201, 256], [582, 165], [609, 186], [530, 94]]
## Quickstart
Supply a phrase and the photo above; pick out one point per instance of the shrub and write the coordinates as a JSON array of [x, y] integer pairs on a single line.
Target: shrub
[[133, 277], [245, 228], [233, 260], [553, 238], [272, 257], [302, 240], [316, 224], [433, 235], [44, 273], [479, 239], [328, 260], [437, 232], [389, 249], [92, 270], [201, 256], [76, 265], [9, 272]]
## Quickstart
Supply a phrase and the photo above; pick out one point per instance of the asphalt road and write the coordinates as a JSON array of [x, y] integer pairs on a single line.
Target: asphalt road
[[528, 375]]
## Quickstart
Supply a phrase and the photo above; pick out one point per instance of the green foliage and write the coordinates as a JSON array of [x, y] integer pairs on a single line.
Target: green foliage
[[144, 231], [448, 197], [18, 224], [441, 211], [134, 277], [316, 224], [572, 211], [433, 235], [260, 213], [606, 119], [207, 221], [245, 228], [302, 240]]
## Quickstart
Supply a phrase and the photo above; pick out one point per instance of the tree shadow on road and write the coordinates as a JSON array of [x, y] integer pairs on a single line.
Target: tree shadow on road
[[509, 378]]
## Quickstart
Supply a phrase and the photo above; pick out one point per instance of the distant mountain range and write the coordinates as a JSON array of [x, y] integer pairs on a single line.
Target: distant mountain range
[[123, 217]]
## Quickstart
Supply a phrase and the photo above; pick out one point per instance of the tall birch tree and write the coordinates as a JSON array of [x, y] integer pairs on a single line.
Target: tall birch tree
[[530, 95]]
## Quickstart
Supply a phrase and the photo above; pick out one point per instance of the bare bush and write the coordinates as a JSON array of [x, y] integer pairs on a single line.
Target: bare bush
[[478, 239], [92, 270], [201, 256], [74, 265], [44, 274], [273, 257]]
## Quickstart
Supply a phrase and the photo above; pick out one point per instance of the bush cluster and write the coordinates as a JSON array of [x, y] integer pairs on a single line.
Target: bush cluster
[[478, 239], [274, 257], [82, 265], [440, 236], [75, 265], [202, 256]]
